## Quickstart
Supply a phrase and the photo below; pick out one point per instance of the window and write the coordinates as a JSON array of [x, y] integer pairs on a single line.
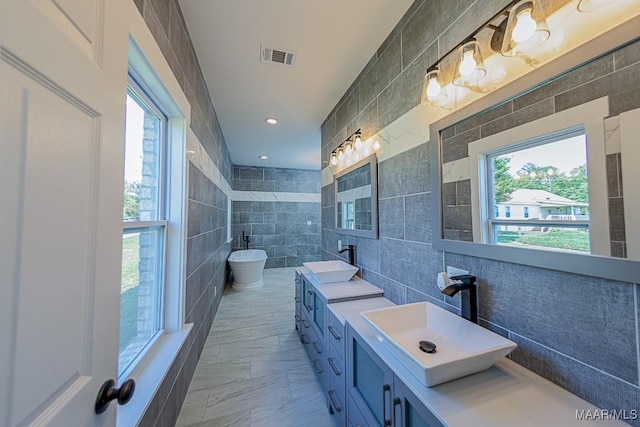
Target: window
[[546, 177], [144, 226]]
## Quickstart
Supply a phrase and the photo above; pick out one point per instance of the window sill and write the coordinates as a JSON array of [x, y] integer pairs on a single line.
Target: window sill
[[149, 375]]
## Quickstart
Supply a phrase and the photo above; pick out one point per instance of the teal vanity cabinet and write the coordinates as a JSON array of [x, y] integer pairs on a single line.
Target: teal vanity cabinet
[[377, 397], [311, 335], [336, 347], [298, 304], [323, 335]]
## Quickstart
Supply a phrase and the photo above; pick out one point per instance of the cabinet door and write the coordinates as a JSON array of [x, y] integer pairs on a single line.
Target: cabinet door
[[369, 381], [319, 309], [408, 411], [297, 303], [307, 294]]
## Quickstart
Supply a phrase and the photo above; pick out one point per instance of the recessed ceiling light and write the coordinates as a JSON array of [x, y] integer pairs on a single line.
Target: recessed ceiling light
[[263, 157], [271, 120]]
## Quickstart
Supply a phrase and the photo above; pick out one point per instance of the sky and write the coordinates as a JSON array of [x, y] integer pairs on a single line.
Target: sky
[[564, 155]]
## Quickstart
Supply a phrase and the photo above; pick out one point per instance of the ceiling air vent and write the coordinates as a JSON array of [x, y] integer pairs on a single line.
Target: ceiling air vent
[[277, 56]]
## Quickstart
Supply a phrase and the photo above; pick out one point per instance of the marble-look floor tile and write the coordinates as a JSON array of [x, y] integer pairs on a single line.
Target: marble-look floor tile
[[193, 408], [211, 375], [273, 329], [209, 353], [246, 395], [310, 413], [289, 341], [227, 336], [303, 383], [238, 419], [253, 371], [248, 348], [278, 362]]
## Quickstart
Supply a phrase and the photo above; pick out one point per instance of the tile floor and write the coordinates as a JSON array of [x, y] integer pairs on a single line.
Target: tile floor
[[253, 370]]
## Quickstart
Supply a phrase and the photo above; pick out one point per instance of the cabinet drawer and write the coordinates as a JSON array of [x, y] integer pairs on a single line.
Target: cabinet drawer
[[320, 368], [337, 403], [355, 417], [335, 333], [335, 370]]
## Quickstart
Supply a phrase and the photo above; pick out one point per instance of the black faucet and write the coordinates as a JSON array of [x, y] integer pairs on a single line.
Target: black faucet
[[466, 283], [352, 253], [246, 240]]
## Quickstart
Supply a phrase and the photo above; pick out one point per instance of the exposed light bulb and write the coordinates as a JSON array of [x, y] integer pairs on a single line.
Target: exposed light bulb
[[348, 149], [433, 88], [376, 146], [358, 142], [525, 27], [468, 63], [340, 154], [334, 159]]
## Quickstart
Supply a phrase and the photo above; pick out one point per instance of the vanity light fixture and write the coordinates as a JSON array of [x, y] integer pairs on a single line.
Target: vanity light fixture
[[469, 65], [591, 5], [526, 28], [358, 143], [348, 148], [352, 150], [271, 121], [432, 91]]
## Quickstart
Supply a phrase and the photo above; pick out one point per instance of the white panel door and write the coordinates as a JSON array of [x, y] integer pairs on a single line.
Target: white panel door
[[63, 74]]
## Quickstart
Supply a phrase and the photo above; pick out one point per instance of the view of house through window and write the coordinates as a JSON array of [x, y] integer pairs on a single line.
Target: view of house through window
[[540, 194], [144, 226]]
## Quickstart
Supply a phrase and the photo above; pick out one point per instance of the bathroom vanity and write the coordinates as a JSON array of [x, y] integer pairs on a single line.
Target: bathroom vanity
[[365, 385], [311, 313]]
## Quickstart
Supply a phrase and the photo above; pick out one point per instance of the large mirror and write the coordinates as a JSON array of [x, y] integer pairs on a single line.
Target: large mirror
[[356, 201], [545, 176]]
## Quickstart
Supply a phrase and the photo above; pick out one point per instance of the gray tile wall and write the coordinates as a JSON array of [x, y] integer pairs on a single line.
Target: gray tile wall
[[554, 317], [289, 232], [207, 249], [616, 206], [164, 19]]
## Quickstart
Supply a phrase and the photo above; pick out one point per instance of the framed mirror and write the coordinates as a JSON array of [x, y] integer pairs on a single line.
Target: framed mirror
[[356, 199], [543, 175]]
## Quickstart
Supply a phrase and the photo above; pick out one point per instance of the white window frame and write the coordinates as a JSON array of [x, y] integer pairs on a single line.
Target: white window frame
[[589, 116], [147, 62], [161, 223], [630, 150], [490, 221]]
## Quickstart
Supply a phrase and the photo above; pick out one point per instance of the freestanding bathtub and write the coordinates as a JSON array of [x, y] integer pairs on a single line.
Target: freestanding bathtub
[[247, 266]]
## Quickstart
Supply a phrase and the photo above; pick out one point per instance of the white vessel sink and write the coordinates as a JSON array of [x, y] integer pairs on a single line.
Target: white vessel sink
[[331, 271], [462, 347]]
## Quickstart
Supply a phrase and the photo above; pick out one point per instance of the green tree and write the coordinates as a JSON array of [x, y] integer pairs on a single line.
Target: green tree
[[503, 181], [131, 200], [573, 185]]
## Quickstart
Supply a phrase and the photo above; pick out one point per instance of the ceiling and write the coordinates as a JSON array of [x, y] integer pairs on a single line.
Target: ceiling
[[333, 41]]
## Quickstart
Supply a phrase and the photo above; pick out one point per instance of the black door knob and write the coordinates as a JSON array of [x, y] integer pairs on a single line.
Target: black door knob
[[109, 392]]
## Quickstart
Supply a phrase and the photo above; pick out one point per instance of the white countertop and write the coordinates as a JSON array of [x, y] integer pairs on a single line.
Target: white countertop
[[353, 308], [343, 291], [505, 395]]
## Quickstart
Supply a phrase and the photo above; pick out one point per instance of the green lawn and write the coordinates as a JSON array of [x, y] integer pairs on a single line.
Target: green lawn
[[557, 239], [129, 290]]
